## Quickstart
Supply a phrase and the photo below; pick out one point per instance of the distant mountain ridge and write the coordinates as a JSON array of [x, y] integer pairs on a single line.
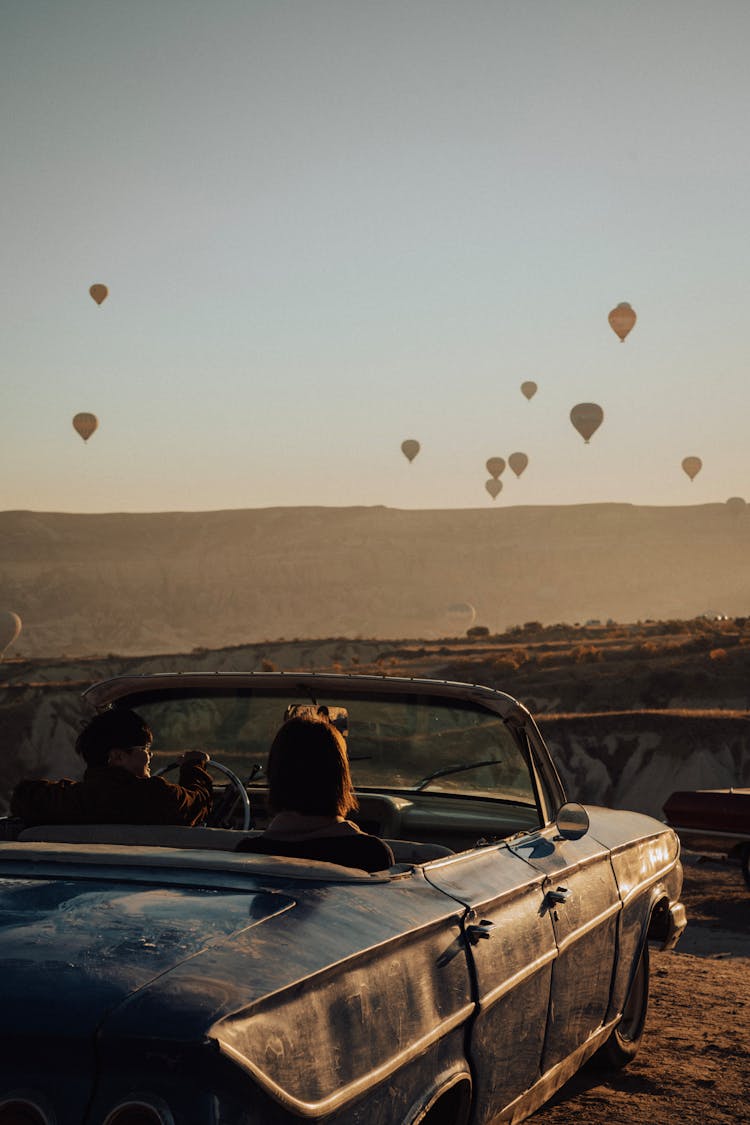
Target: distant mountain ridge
[[170, 581]]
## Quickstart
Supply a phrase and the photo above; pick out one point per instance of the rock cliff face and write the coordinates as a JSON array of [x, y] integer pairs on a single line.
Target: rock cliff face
[[166, 582], [634, 760]]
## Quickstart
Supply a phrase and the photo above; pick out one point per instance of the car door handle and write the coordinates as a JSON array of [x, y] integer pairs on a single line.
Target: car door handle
[[560, 894], [478, 930]]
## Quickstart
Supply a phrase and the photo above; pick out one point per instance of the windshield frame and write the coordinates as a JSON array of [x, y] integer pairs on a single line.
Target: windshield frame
[[132, 691]]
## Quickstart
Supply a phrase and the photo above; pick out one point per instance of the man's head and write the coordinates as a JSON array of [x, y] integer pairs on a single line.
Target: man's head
[[117, 737]]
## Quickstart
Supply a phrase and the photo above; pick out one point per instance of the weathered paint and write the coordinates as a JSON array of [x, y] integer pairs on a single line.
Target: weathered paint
[[645, 860], [585, 925], [512, 966]]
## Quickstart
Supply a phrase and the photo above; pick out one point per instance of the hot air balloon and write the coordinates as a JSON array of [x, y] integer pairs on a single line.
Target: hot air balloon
[[460, 615], [736, 505], [528, 389], [495, 467], [587, 417], [99, 293], [10, 627], [410, 448], [518, 462], [494, 487], [621, 320], [692, 466], [85, 424]]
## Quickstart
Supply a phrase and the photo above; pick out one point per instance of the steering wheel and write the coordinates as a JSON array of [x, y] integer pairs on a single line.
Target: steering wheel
[[213, 817]]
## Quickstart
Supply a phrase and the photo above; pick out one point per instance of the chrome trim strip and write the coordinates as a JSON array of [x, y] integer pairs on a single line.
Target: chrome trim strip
[[142, 1101], [523, 974], [417, 1114], [554, 1078], [26, 1103], [586, 928], [637, 841], [708, 833], [105, 692], [346, 1093], [138, 1101], [645, 884]]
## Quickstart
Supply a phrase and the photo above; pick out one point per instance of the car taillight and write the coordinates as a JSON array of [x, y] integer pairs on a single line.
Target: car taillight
[[137, 1113], [18, 1111]]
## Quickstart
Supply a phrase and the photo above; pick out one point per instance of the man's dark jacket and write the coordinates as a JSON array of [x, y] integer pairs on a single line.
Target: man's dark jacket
[[112, 795]]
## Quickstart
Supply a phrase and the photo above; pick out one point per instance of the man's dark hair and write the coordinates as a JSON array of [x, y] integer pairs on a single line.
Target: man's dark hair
[[115, 729], [308, 770]]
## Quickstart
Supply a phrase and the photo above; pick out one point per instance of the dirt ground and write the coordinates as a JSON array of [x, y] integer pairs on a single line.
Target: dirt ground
[[694, 1061]]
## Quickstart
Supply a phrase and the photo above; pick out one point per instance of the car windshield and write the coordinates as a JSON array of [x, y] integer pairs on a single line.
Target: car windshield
[[409, 743]]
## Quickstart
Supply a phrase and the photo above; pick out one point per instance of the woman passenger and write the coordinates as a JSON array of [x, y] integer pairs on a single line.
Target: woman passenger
[[310, 794]]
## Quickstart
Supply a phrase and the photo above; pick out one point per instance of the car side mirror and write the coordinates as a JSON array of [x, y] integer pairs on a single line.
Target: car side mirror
[[572, 821]]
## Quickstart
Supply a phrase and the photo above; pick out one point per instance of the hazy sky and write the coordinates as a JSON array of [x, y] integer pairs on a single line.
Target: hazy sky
[[329, 225]]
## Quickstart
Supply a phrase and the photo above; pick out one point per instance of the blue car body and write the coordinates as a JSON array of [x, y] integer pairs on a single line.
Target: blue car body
[[156, 971]]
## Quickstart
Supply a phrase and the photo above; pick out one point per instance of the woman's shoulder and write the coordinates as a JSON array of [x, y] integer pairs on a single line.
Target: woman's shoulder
[[371, 852], [351, 849]]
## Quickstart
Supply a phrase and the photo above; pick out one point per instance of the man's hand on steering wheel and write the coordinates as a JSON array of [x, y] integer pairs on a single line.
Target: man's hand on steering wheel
[[214, 818], [199, 756]]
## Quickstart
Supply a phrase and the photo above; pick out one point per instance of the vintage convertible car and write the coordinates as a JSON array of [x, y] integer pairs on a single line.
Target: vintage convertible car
[[154, 976], [716, 821]]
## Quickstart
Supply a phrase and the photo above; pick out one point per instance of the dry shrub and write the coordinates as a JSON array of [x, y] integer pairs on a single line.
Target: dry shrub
[[586, 654], [504, 665]]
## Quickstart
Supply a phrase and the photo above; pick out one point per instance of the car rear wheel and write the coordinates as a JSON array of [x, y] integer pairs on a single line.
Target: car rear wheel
[[623, 1043]]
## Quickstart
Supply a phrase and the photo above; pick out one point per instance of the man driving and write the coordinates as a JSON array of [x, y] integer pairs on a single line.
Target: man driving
[[117, 787]]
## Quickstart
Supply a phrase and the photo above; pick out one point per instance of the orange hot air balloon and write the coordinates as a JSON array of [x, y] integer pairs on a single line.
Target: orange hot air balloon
[[736, 505], [99, 293], [518, 462], [10, 627], [528, 389], [85, 424], [692, 466], [621, 320], [410, 448], [495, 467], [587, 417], [494, 487]]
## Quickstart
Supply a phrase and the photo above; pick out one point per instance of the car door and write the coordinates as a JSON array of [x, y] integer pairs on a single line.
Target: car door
[[581, 899], [510, 940]]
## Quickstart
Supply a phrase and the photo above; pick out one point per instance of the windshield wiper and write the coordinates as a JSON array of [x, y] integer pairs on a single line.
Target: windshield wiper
[[454, 769]]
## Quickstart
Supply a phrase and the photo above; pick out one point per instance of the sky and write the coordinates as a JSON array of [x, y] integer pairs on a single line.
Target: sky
[[330, 225]]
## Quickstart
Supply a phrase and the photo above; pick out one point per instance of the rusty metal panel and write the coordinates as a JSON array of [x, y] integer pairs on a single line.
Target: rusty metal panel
[[645, 862], [322, 1003], [581, 896], [513, 967]]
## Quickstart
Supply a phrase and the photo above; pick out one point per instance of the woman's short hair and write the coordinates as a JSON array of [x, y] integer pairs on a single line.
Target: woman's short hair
[[115, 729], [308, 770]]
